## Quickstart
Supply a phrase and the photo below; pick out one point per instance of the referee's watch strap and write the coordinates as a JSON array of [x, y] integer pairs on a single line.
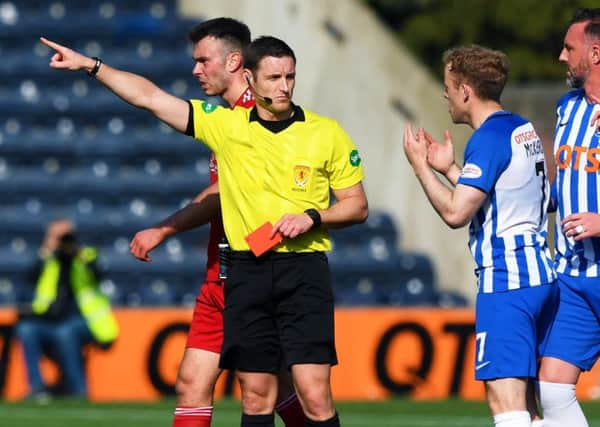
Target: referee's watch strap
[[315, 216]]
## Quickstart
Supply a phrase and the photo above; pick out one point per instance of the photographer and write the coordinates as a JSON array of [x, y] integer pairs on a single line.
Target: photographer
[[67, 312]]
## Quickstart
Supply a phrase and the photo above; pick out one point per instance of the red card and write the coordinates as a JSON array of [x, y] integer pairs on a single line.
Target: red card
[[259, 240]]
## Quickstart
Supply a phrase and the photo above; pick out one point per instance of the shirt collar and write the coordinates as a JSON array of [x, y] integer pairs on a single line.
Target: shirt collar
[[278, 125]]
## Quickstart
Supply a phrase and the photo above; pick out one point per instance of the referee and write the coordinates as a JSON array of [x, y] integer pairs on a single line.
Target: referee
[[278, 163]]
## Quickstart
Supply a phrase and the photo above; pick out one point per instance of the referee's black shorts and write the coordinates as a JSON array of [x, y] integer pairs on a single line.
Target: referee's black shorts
[[278, 312]]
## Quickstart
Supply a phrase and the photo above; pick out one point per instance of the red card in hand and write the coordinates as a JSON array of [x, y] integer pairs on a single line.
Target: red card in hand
[[259, 240]]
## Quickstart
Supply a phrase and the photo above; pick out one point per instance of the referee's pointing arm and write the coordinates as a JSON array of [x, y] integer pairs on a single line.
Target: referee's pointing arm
[[132, 88]]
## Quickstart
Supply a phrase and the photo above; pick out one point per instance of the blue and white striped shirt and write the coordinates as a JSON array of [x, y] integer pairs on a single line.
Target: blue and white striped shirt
[[577, 156], [507, 236]]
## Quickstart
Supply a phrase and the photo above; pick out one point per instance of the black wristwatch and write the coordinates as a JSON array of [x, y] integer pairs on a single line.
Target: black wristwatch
[[315, 216], [96, 67]]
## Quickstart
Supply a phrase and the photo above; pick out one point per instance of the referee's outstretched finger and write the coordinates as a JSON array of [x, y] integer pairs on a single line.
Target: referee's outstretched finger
[[53, 45]]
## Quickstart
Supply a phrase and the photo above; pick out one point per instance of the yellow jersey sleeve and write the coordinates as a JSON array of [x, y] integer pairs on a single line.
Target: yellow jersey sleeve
[[211, 123], [345, 168]]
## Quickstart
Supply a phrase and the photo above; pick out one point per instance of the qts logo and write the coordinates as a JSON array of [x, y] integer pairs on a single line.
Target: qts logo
[[578, 158]]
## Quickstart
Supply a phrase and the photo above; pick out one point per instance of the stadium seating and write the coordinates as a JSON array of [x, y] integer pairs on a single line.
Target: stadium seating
[[70, 148]]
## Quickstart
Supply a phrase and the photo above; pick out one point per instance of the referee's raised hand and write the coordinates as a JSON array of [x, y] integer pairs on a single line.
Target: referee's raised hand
[[67, 59]]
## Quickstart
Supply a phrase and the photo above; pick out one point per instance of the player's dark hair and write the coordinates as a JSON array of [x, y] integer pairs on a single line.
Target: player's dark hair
[[229, 30], [592, 17]]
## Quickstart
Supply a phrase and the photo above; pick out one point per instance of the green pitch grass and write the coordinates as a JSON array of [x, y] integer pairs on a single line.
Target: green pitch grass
[[396, 413]]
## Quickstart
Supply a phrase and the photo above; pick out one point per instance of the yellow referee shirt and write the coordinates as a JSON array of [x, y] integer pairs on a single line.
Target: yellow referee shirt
[[264, 174]]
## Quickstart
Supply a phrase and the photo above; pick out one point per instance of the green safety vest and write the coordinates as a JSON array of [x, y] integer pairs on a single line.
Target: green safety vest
[[93, 305]]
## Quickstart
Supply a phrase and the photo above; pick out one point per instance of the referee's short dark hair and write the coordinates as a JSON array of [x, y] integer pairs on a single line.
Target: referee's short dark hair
[[266, 46], [231, 31]]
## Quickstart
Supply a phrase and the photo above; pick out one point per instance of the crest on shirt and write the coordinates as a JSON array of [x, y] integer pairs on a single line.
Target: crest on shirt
[[301, 175], [208, 107], [471, 170]]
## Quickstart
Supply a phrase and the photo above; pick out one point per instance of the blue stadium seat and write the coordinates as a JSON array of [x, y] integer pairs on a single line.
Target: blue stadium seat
[[118, 286], [89, 19], [363, 254], [411, 265], [189, 288], [26, 221], [170, 258], [158, 292], [183, 185], [16, 281], [363, 292], [123, 223], [379, 224], [8, 293], [380, 280], [159, 141], [117, 294], [25, 183], [451, 299], [413, 292], [18, 288], [38, 147], [14, 61]]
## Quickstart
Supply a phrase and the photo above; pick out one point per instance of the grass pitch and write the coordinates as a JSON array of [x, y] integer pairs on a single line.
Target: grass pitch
[[396, 413]]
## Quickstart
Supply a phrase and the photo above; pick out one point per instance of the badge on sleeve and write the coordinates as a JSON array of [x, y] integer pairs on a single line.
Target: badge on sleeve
[[354, 158], [471, 170], [208, 107]]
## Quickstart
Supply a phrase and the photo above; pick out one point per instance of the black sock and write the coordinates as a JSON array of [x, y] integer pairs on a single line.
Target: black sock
[[331, 422], [258, 420]]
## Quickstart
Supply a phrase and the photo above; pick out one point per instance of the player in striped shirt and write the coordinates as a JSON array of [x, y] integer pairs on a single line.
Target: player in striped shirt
[[574, 343], [503, 192]]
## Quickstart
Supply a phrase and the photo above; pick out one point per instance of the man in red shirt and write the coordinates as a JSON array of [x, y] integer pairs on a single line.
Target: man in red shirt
[[217, 50]]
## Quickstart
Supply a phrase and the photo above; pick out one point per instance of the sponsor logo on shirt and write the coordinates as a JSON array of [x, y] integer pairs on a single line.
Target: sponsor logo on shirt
[[301, 175], [526, 136], [471, 170], [208, 107], [354, 158], [578, 157]]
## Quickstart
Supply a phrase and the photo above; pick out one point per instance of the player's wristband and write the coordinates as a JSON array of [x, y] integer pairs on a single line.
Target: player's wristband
[[315, 216], [94, 70]]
